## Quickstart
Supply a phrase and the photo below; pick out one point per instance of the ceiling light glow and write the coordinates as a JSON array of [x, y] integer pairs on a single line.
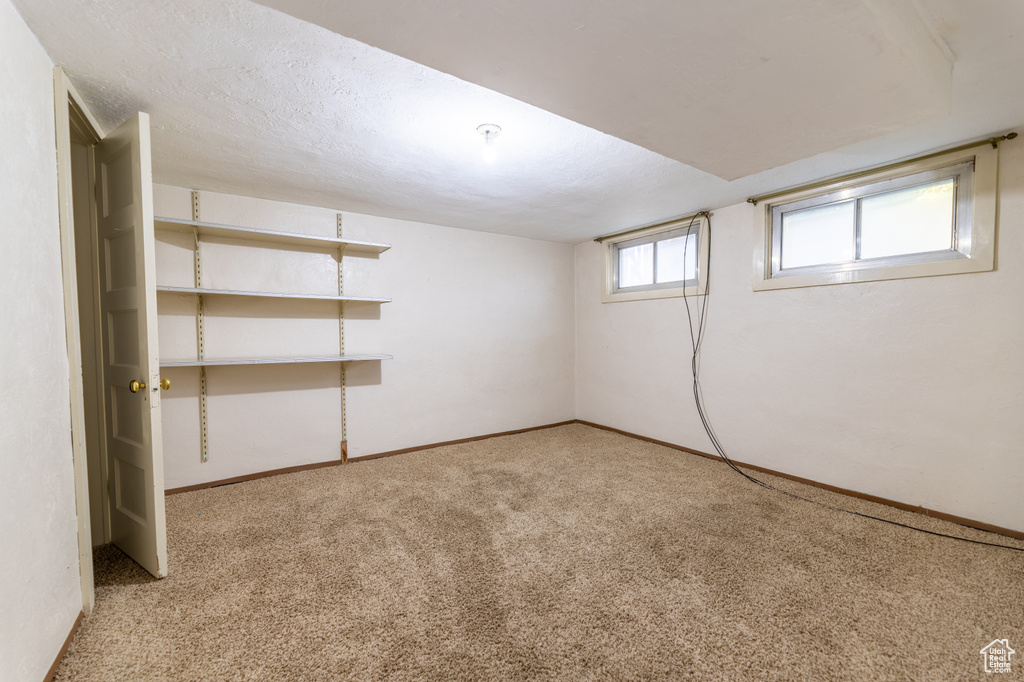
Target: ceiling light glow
[[489, 131]]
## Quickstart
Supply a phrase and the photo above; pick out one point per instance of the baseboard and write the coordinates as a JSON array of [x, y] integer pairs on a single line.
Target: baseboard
[[257, 475], [345, 459], [64, 649], [403, 451], [970, 523]]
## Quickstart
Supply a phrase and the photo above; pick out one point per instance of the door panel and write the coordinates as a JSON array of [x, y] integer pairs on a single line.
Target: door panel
[[124, 194]]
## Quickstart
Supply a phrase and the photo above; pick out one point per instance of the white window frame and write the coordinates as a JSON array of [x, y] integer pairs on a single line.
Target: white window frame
[[975, 208], [609, 292]]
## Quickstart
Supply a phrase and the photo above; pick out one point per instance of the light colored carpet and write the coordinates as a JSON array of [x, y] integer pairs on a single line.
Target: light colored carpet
[[569, 553]]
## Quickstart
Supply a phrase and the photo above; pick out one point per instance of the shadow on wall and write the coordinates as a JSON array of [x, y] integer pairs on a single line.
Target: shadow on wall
[[363, 373], [363, 310], [236, 380], [254, 379]]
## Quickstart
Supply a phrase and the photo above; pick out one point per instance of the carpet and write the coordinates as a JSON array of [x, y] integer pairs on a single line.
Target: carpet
[[566, 553]]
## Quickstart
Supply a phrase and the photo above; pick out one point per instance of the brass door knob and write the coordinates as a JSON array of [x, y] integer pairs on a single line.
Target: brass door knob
[[165, 384], [135, 386]]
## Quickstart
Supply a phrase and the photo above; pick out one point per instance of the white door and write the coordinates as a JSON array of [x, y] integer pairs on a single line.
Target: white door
[[131, 369]]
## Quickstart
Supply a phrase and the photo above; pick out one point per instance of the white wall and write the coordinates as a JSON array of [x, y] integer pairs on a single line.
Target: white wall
[[481, 328], [910, 390], [40, 593]]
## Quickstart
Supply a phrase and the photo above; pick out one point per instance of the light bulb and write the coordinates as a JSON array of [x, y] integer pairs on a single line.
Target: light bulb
[[489, 153], [489, 131]]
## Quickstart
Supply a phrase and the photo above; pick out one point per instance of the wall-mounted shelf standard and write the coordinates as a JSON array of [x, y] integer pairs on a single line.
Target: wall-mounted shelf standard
[[271, 361], [253, 234], [268, 294]]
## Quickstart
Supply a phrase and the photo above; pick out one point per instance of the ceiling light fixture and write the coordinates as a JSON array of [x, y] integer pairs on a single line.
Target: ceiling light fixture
[[489, 131]]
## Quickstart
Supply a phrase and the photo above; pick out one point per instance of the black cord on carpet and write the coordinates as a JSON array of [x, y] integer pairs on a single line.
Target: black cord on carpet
[[697, 340]]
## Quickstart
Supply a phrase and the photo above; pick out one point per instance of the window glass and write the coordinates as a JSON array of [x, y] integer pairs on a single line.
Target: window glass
[[815, 236], [913, 220], [636, 265], [671, 252]]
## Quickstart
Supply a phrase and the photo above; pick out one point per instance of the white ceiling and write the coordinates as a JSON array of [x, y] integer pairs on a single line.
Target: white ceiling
[[732, 88], [248, 100]]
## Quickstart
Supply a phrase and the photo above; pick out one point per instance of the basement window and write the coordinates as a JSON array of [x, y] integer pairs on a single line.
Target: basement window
[[932, 217], [657, 262]]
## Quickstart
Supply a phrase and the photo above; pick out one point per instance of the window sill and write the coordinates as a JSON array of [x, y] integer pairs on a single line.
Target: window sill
[[954, 266], [697, 290]]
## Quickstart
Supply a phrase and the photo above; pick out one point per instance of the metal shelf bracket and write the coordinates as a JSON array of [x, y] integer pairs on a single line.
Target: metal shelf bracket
[[200, 333], [341, 343]]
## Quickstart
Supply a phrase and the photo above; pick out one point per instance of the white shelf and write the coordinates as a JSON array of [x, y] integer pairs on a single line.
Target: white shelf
[[271, 361], [267, 294], [253, 234]]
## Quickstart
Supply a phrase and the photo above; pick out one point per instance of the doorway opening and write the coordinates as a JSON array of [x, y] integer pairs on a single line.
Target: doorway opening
[[86, 264], [77, 133], [104, 189]]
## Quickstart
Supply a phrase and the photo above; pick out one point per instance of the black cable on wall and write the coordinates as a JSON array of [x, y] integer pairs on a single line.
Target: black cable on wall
[[696, 341]]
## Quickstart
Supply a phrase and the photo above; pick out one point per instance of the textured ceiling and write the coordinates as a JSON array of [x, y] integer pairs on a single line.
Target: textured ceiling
[[247, 100], [732, 88]]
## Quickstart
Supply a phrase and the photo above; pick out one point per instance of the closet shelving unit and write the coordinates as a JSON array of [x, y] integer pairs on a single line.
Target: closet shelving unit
[[200, 229]]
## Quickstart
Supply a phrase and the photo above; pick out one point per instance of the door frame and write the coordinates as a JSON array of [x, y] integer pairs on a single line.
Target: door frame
[[67, 100]]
